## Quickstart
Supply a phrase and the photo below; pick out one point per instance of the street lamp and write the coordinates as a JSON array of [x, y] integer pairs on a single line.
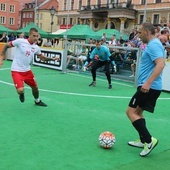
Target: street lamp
[[144, 18], [52, 12]]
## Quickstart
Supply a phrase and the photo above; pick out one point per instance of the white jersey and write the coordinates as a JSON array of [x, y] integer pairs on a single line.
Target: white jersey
[[23, 54]]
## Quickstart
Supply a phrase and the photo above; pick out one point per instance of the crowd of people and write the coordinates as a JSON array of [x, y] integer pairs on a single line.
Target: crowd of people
[[119, 57], [7, 38]]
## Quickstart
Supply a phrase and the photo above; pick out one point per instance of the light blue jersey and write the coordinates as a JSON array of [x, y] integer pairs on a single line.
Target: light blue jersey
[[153, 50], [103, 53]]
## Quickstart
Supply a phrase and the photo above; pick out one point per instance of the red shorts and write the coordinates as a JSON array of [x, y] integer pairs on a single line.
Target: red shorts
[[19, 78]]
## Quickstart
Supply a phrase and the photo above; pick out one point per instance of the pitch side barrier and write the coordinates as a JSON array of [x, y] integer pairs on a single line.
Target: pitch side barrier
[[51, 53], [48, 52], [62, 55], [165, 74]]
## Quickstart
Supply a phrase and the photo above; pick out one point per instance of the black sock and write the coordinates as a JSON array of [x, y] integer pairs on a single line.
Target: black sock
[[140, 126]]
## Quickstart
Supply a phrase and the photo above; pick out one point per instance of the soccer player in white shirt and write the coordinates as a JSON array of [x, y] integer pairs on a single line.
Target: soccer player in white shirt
[[20, 69]]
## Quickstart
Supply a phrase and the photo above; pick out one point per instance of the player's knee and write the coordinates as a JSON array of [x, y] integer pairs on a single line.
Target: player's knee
[[20, 90]]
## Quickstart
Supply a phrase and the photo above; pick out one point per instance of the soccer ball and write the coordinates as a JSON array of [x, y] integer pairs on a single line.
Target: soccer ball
[[107, 139]]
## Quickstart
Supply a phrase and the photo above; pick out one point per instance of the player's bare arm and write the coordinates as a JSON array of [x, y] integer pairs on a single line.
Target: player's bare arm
[[43, 58], [2, 55]]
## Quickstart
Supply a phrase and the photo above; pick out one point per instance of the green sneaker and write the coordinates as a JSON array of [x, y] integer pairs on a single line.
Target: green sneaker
[[136, 143], [148, 147]]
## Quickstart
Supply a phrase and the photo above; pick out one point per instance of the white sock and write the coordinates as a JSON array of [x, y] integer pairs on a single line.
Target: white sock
[[37, 100]]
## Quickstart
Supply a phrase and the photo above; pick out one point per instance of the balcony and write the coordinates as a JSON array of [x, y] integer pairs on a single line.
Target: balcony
[[101, 7]]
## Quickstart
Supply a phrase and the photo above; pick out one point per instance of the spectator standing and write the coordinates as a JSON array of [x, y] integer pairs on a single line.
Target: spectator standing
[[104, 36], [4, 37], [22, 35], [132, 34], [12, 37], [121, 41], [47, 43]]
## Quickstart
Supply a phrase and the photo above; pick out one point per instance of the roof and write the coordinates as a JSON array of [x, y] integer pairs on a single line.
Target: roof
[[23, 2], [49, 4]]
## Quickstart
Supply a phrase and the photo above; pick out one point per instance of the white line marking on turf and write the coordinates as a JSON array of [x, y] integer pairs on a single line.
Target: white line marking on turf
[[122, 84], [3, 82], [4, 69], [80, 94]]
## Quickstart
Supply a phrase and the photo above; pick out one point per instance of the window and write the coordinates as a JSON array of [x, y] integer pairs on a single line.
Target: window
[[2, 20], [31, 15], [40, 25], [37, 16], [143, 2], [3, 7], [87, 22], [27, 15], [23, 15], [96, 24], [141, 19], [80, 4], [12, 8], [71, 21], [158, 1], [41, 16], [26, 6], [64, 21], [11, 21], [126, 24], [65, 5], [78, 20], [156, 19], [88, 2], [99, 3], [72, 4]]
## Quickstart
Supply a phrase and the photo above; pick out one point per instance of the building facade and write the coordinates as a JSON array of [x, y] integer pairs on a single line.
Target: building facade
[[158, 11], [9, 11], [123, 15], [16, 14], [10, 15], [39, 12], [46, 16]]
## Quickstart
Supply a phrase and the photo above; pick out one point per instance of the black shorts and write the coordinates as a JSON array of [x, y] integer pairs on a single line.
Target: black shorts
[[146, 101]]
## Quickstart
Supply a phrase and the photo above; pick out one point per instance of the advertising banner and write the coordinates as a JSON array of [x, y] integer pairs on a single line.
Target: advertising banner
[[51, 54]]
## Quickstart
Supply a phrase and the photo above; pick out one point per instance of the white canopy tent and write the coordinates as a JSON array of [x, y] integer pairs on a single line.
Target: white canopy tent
[[60, 31]]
